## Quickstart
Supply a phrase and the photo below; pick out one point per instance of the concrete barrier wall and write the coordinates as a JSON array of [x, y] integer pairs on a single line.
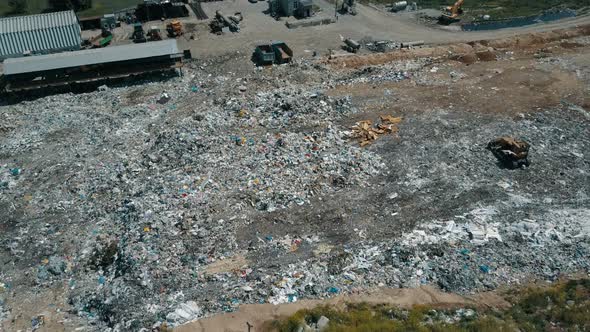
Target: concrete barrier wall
[[310, 22]]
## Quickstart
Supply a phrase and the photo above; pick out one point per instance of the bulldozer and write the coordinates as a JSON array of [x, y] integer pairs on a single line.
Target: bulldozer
[[451, 14], [174, 29]]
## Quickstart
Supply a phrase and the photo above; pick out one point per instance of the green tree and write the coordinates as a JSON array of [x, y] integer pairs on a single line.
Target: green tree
[[17, 6], [76, 5]]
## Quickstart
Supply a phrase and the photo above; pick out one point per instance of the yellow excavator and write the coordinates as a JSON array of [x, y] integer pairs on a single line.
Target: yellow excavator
[[451, 14], [174, 29]]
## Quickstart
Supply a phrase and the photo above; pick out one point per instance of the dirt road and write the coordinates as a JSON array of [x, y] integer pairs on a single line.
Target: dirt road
[[370, 22]]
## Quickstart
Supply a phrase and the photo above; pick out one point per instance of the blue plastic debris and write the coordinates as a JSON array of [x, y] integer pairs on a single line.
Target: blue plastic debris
[[15, 171], [268, 238], [484, 268], [102, 280], [36, 322], [333, 290]]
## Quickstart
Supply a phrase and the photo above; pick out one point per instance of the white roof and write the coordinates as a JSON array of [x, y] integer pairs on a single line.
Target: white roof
[[89, 57]]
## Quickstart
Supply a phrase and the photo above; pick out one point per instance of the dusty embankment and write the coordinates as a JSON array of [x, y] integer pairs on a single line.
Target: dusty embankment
[[466, 52], [258, 314]]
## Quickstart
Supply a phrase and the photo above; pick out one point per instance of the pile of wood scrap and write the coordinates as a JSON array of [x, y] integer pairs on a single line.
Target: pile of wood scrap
[[367, 132]]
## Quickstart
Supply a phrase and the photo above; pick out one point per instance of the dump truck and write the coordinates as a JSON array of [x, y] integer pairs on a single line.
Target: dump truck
[[351, 45], [276, 52], [174, 29]]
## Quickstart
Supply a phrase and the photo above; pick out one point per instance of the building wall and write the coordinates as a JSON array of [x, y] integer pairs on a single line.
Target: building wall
[[39, 34], [287, 7]]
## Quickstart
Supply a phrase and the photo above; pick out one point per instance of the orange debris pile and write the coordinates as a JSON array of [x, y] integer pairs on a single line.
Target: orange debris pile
[[366, 132]]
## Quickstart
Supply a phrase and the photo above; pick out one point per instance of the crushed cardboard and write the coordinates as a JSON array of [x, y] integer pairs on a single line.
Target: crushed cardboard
[[366, 132]]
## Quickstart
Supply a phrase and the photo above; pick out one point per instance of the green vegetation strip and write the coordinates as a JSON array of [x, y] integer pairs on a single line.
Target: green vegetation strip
[[99, 7], [564, 306]]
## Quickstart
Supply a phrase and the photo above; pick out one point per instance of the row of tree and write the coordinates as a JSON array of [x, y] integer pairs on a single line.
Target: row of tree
[[76, 5], [20, 6]]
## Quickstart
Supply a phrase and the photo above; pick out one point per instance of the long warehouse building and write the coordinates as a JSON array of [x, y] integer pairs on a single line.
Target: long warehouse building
[[39, 34], [91, 65]]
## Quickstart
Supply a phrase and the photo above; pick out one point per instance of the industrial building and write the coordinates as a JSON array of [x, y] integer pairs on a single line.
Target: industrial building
[[91, 65], [286, 8], [151, 10], [39, 34]]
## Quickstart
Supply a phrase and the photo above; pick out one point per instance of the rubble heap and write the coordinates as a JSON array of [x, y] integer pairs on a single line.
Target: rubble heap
[[172, 200]]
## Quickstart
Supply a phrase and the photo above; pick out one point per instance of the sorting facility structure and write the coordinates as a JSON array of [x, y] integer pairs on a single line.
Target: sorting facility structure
[[91, 65], [39, 34]]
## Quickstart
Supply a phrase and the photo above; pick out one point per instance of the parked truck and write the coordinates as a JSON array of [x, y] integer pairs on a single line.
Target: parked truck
[[276, 52], [138, 33], [154, 34], [351, 45]]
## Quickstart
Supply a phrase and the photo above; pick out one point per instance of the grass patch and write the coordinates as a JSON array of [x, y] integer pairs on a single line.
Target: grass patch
[[564, 306], [99, 7], [33, 7]]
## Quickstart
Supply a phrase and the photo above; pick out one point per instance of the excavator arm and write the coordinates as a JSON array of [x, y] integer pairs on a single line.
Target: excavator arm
[[456, 9], [453, 13]]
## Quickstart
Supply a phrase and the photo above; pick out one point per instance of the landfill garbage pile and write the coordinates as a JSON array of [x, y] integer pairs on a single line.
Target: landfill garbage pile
[[141, 193], [172, 200]]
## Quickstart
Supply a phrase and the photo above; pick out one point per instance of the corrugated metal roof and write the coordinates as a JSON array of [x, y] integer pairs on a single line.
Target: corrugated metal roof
[[90, 57], [41, 33]]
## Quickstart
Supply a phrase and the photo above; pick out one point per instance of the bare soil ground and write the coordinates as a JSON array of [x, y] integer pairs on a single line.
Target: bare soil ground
[[370, 22], [257, 315]]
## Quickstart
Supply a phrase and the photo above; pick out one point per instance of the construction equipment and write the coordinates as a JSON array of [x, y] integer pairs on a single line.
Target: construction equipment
[[108, 21], [351, 45], [512, 153], [101, 40], [154, 34], [452, 13], [399, 6], [222, 21], [276, 52], [348, 7], [138, 33], [174, 29]]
